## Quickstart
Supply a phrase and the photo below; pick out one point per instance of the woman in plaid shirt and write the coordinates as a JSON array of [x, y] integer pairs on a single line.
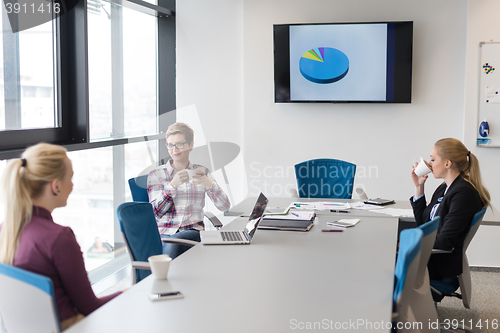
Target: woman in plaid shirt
[[177, 191]]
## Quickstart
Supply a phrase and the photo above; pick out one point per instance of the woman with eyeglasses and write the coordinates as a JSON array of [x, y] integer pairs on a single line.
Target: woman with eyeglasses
[[33, 187], [177, 191], [456, 201]]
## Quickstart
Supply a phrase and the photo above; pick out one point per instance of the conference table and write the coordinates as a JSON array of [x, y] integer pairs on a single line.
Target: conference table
[[283, 281]]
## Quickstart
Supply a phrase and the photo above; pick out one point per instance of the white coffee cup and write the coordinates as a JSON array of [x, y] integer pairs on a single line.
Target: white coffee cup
[[191, 173], [422, 168], [159, 265]]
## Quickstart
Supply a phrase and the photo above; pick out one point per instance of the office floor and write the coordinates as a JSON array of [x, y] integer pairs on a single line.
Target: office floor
[[484, 313]]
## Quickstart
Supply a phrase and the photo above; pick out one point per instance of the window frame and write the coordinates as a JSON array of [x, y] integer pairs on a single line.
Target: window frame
[[72, 92]]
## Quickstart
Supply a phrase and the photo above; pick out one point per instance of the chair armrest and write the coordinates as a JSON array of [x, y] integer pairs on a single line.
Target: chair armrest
[[438, 251], [436, 291], [215, 221], [179, 241], [140, 264]]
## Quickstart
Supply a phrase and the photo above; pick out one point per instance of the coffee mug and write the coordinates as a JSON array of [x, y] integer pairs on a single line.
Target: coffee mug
[[422, 168], [159, 265], [191, 173]]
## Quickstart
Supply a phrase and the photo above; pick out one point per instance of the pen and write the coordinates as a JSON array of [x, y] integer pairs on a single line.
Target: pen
[[333, 204], [338, 211], [331, 230], [300, 205], [295, 214]]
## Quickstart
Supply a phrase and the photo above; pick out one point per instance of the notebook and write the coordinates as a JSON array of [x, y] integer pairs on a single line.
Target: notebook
[[294, 221], [222, 237]]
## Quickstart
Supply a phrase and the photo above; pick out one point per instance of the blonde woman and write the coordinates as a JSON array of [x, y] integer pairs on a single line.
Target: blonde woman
[[177, 191], [456, 200], [33, 187]]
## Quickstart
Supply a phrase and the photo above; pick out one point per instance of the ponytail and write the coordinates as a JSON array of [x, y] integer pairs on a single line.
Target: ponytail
[[24, 179], [18, 209], [466, 163], [474, 176]]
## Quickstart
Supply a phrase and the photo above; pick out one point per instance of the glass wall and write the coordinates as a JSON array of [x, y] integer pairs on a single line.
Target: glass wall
[[27, 77], [122, 72], [118, 106], [90, 211]]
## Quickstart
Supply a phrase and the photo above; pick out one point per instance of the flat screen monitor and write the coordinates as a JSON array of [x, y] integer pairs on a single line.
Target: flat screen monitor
[[343, 62]]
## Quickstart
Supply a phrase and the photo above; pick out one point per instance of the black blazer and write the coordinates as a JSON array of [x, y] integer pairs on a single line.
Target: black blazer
[[456, 210]]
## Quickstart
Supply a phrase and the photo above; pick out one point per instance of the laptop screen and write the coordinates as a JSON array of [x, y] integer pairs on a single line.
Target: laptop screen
[[256, 216]]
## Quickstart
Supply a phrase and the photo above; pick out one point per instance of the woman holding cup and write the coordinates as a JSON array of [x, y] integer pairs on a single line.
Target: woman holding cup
[[177, 191], [456, 200]]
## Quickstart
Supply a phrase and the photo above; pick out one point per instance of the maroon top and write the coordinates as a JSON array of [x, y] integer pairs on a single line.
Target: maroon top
[[49, 249]]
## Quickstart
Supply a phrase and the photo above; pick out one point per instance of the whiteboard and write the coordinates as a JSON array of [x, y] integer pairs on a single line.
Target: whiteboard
[[489, 93]]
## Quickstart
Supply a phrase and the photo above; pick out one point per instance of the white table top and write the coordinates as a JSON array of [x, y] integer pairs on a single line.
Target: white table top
[[283, 280], [245, 207]]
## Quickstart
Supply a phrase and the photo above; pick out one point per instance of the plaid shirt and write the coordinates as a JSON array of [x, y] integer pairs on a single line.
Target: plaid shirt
[[182, 208]]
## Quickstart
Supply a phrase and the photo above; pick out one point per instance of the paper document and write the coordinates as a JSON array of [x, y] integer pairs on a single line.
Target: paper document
[[396, 212], [492, 94], [320, 205], [273, 211], [344, 223], [363, 206], [298, 215]]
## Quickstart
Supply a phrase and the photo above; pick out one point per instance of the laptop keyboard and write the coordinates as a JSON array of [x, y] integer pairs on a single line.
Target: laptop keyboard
[[231, 236]]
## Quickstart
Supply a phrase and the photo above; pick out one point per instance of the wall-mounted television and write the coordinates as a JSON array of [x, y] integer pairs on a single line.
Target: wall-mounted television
[[369, 62]]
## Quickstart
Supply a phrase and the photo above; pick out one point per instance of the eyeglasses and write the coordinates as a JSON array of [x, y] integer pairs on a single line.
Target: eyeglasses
[[178, 145]]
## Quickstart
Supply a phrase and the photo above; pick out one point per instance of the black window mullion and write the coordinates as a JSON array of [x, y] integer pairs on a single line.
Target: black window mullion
[[74, 74], [167, 102]]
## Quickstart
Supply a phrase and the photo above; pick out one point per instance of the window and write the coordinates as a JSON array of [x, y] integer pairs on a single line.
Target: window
[[91, 207], [27, 84], [95, 91], [122, 72]]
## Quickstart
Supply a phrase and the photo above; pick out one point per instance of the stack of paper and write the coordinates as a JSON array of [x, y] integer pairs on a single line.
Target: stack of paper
[[396, 212], [344, 223]]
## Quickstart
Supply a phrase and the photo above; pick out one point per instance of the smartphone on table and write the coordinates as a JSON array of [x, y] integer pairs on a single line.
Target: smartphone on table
[[165, 295]]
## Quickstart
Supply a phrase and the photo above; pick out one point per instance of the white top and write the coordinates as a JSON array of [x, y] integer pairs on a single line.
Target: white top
[[283, 281]]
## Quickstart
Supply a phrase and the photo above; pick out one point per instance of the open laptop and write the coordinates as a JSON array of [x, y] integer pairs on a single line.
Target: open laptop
[[221, 237]]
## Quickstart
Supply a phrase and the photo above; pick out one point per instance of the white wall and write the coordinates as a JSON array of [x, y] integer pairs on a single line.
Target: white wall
[[210, 78], [485, 247], [210, 65], [291, 133]]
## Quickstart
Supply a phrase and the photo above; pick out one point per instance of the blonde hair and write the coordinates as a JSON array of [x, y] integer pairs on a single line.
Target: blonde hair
[[181, 128], [24, 179], [465, 162]]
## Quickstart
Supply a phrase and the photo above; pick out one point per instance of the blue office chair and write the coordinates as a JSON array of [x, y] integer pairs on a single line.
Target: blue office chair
[[421, 302], [138, 188], [27, 301], [448, 286], [140, 232], [325, 178], [405, 273]]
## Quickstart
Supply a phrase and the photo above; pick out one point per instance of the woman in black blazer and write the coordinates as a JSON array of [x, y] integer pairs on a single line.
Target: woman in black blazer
[[456, 200]]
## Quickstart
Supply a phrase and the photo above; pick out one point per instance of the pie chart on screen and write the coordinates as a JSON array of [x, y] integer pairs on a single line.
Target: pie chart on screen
[[324, 65]]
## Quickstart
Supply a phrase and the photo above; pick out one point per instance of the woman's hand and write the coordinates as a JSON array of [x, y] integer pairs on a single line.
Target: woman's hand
[[200, 178], [418, 181], [180, 178]]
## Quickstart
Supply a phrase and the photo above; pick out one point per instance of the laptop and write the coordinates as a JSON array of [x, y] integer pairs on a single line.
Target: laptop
[[221, 237]]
